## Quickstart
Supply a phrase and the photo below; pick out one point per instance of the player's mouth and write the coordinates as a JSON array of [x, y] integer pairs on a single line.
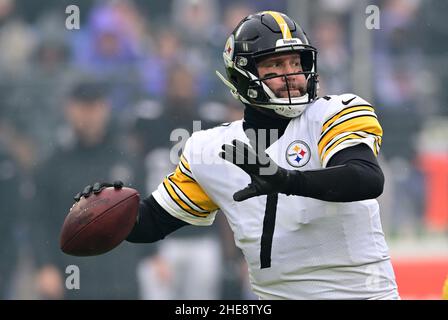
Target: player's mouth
[[294, 92]]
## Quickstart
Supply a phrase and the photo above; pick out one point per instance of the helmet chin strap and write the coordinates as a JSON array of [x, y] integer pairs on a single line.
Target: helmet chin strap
[[282, 106], [286, 110]]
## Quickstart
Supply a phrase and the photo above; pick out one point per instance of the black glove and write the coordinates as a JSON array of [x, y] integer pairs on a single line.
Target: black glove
[[97, 188], [267, 177]]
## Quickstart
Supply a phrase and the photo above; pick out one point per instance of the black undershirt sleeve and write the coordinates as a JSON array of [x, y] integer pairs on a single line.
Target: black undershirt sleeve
[[153, 223], [352, 174]]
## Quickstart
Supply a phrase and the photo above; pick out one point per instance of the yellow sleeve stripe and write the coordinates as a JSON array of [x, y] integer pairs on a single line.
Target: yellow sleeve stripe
[[343, 112], [364, 123], [333, 145], [182, 196], [188, 194], [195, 194], [281, 23], [183, 206]]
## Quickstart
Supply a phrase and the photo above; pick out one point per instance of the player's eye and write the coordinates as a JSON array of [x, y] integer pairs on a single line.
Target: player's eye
[[273, 65], [297, 65]]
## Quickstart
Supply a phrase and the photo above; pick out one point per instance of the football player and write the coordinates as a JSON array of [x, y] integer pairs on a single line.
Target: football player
[[296, 178]]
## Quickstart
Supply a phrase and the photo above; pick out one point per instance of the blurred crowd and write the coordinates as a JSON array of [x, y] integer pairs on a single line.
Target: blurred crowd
[[100, 103]]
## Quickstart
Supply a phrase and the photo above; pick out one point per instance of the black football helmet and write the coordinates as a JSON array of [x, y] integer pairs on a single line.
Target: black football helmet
[[258, 36]]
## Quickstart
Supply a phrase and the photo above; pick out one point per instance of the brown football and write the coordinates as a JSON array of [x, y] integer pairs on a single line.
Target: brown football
[[99, 223]]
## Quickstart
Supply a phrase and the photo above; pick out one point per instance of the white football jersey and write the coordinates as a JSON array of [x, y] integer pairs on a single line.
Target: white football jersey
[[296, 247]]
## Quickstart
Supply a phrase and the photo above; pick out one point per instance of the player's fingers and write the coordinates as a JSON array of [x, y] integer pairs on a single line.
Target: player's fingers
[[229, 153], [246, 152], [97, 187], [233, 158], [245, 193], [244, 148], [77, 197], [87, 191], [234, 153], [118, 184]]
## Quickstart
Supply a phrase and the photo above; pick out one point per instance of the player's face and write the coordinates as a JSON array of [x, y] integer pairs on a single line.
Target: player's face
[[283, 64]]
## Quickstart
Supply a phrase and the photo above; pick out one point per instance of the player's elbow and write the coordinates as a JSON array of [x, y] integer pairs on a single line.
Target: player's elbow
[[139, 237], [370, 179], [377, 183], [373, 183]]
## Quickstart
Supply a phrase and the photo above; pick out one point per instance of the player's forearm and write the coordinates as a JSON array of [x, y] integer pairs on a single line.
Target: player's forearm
[[153, 223], [349, 182], [353, 175]]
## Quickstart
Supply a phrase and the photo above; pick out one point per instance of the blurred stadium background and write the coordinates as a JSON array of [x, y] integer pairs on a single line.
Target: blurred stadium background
[[101, 101]]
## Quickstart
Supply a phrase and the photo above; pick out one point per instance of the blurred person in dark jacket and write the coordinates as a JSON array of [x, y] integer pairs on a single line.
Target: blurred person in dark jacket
[[9, 195], [193, 250], [89, 148]]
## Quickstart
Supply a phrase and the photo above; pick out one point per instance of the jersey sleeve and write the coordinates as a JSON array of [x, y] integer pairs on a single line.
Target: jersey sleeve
[[183, 197], [347, 125]]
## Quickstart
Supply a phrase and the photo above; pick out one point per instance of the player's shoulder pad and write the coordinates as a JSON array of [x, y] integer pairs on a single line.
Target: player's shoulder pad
[[202, 140], [327, 106]]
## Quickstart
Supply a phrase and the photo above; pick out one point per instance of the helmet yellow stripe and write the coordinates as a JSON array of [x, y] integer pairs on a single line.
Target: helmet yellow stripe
[[281, 23]]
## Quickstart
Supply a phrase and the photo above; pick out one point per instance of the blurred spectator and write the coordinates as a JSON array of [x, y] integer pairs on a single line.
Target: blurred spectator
[[178, 109], [333, 59], [167, 52], [112, 39], [111, 47], [16, 40], [197, 24], [431, 33], [91, 152], [9, 212]]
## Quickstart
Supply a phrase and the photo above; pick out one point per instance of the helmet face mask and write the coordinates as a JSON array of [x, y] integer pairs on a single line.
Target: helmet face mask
[[262, 36]]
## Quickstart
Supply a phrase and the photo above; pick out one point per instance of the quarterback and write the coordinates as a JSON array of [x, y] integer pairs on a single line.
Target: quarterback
[[296, 178]]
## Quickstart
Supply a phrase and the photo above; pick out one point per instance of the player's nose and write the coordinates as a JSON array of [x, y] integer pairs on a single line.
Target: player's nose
[[290, 77]]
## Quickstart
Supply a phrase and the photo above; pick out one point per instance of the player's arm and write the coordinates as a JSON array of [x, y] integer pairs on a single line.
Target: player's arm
[[154, 223], [352, 174], [178, 201]]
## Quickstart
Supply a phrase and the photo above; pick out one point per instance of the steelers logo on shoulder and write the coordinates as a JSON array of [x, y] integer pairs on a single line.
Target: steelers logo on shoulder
[[298, 154]]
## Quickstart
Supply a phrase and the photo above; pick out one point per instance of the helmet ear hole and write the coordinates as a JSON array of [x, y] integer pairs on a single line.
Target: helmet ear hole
[[306, 60], [311, 87]]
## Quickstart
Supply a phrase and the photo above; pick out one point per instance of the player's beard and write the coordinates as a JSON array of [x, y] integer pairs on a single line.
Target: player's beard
[[295, 90]]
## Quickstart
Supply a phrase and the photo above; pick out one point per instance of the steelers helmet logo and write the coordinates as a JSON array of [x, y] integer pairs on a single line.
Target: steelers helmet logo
[[298, 154], [229, 49]]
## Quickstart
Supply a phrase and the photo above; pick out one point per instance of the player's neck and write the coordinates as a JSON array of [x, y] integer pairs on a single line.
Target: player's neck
[[256, 119]]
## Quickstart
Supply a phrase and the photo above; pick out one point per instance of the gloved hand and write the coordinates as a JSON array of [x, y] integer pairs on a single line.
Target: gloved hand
[[97, 188], [267, 177]]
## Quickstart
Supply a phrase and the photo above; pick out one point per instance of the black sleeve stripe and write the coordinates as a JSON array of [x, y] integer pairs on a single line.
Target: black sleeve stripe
[[182, 162], [185, 171], [339, 138], [345, 117], [345, 109]]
